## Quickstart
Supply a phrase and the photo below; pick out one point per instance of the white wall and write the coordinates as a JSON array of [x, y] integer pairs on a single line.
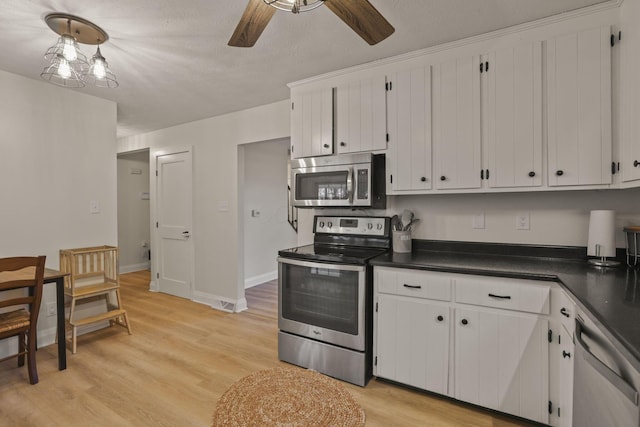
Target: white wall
[[57, 153], [133, 211], [218, 235], [265, 191]]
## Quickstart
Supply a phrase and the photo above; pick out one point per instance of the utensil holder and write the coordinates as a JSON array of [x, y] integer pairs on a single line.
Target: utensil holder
[[401, 241], [632, 240]]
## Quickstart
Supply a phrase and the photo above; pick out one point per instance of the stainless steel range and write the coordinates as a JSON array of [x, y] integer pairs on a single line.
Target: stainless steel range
[[325, 296]]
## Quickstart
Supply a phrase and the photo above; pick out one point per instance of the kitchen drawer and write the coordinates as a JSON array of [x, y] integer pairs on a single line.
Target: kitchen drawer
[[511, 294], [413, 283]]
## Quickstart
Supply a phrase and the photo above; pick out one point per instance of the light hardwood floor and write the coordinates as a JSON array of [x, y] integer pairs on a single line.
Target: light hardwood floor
[[181, 358]]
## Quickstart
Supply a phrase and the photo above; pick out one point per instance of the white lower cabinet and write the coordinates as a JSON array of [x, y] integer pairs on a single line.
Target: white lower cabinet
[[501, 362], [413, 342], [491, 349]]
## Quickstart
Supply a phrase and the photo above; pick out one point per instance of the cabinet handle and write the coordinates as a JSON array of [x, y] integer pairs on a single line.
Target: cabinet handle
[[559, 173], [326, 145], [566, 354], [443, 178], [464, 321], [564, 312], [423, 179], [636, 163], [500, 296], [412, 286], [343, 144], [532, 174], [439, 318]]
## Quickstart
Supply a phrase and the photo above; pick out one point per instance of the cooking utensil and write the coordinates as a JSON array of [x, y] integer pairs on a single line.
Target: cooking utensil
[[407, 217], [394, 223]]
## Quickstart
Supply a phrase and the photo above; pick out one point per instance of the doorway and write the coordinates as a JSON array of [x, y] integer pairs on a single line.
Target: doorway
[[133, 211]]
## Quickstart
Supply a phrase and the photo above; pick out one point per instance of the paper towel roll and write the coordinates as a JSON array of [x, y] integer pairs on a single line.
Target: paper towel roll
[[602, 232]]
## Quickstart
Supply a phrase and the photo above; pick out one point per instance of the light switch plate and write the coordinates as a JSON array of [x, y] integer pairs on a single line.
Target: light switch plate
[[94, 207], [478, 221]]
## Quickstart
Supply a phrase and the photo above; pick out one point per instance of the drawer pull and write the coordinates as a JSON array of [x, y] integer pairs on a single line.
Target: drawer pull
[[500, 296], [440, 318], [563, 311], [465, 322], [566, 354], [412, 286]]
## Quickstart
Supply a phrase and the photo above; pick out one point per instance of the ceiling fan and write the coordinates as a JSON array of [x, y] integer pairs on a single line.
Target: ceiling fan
[[360, 15]]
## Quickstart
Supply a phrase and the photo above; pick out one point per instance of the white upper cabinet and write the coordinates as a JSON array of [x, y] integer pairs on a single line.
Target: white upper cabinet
[[409, 121], [361, 115], [630, 70], [514, 116], [456, 123], [311, 123], [579, 108]]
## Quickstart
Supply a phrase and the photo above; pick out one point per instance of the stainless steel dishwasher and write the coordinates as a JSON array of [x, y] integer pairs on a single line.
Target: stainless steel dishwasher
[[605, 384]]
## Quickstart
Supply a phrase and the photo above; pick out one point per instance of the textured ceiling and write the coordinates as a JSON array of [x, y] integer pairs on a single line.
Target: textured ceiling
[[174, 66]]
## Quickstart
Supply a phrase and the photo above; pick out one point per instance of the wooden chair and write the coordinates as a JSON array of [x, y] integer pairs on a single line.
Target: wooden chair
[[16, 274]]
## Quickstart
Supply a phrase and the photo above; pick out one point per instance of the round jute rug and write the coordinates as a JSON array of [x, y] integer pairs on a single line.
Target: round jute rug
[[290, 397]]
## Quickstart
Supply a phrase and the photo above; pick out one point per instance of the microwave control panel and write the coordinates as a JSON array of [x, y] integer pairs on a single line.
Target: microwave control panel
[[365, 226]]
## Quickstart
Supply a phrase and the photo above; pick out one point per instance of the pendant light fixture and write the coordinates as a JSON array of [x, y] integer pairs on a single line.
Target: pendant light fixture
[[68, 66], [295, 6]]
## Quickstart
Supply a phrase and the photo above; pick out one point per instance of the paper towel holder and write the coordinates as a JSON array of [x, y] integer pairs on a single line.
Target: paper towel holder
[[601, 242]]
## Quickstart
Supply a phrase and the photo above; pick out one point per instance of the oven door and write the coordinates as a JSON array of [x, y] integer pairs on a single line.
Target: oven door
[[322, 301]]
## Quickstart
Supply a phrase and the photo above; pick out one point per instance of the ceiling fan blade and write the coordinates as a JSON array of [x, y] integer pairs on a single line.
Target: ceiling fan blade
[[253, 21], [363, 18]]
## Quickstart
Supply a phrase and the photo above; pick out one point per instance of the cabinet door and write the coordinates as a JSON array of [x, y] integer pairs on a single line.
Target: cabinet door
[[629, 72], [514, 116], [409, 120], [413, 342], [361, 115], [311, 123], [564, 411], [456, 123], [579, 108], [502, 362]]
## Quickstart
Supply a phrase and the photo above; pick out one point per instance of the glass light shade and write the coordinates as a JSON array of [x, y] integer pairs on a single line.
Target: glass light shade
[[62, 73], [99, 73], [69, 49], [295, 6]]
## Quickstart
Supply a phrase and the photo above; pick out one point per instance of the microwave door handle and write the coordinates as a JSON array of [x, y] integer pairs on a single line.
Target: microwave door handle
[[350, 185]]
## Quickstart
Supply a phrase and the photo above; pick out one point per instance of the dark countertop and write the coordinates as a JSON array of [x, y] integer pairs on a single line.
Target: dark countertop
[[611, 296]]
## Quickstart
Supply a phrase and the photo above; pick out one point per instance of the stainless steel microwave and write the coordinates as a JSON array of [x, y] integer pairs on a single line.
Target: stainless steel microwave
[[348, 180]]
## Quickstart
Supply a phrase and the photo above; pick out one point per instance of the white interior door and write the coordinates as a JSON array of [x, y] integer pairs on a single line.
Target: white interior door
[[174, 271]]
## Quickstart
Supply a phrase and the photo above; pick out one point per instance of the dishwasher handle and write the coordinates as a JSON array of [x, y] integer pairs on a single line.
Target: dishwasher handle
[[616, 380]]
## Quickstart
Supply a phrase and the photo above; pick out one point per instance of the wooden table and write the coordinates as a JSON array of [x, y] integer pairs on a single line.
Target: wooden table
[[50, 276], [57, 277]]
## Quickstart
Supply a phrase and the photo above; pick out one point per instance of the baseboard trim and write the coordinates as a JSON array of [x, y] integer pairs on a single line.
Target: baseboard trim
[[260, 279], [135, 267]]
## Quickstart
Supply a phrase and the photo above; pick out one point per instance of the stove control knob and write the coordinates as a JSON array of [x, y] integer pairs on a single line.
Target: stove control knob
[[329, 224], [370, 226], [321, 224], [379, 226]]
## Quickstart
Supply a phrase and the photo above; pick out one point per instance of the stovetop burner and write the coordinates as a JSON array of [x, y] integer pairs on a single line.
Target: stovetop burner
[[345, 240]]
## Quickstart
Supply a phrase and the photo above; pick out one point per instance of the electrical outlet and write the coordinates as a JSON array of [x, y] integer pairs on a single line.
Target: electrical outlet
[[522, 221], [51, 309]]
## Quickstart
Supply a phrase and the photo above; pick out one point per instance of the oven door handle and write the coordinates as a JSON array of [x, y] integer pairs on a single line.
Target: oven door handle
[[325, 265]]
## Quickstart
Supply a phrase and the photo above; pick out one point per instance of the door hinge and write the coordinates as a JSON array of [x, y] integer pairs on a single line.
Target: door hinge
[[375, 362], [550, 335], [550, 407]]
